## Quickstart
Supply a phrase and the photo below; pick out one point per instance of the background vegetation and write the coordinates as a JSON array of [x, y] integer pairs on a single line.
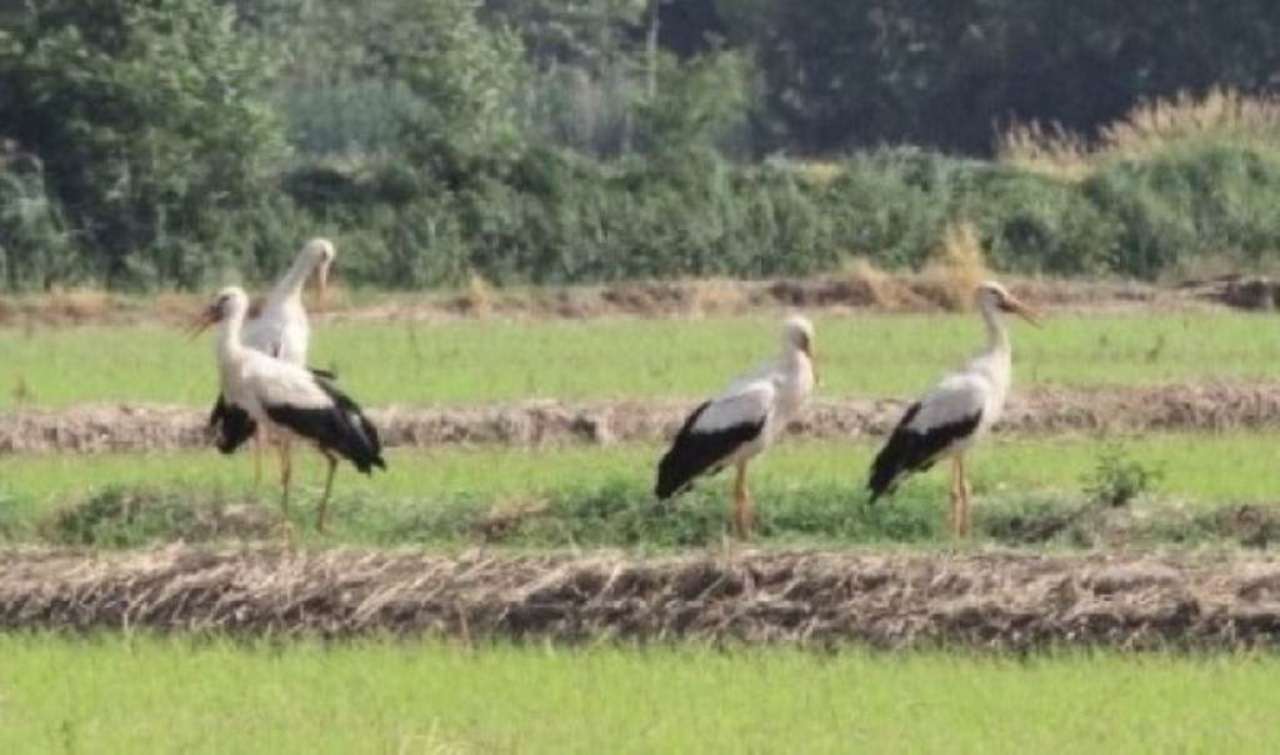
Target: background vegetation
[[181, 143]]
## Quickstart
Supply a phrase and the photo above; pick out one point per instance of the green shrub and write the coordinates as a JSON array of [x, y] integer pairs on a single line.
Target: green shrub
[[1117, 479]]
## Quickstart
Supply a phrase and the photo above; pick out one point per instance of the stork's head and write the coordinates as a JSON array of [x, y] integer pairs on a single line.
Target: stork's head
[[321, 253], [797, 333], [229, 302], [994, 297]]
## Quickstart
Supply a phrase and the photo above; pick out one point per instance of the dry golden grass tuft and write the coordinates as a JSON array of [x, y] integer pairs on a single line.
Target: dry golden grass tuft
[[956, 267], [478, 295], [1222, 113], [1150, 128], [80, 304], [175, 307], [718, 296], [506, 516], [1049, 150], [819, 174], [883, 289], [337, 298]]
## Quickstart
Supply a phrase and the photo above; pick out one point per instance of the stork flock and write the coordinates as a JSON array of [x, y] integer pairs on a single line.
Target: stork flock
[[269, 395]]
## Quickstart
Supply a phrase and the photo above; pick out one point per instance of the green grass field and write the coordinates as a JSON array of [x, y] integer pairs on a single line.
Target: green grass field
[[1238, 466], [806, 491], [140, 695], [124, 693], [494, 360]]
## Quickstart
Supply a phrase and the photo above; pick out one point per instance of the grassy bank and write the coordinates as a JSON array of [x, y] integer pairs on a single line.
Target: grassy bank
[[134, 694], [481, 361], [1027, 491]]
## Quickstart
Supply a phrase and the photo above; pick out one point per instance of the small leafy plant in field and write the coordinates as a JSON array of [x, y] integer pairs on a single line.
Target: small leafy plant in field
[[1117, 478]]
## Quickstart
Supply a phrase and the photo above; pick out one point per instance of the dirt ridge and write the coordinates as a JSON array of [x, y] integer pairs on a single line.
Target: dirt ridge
[[993, 600], [1044, 409], [881, 292]]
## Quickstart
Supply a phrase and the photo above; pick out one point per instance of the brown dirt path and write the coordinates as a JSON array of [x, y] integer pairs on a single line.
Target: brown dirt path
[[1044, 410], [881, 292], [996, 600]]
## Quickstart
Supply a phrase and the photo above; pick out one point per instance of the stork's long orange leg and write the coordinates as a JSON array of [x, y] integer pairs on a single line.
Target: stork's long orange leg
[[328, 488], [956, 503], [259, 439], [966, 518], [743, 513], [286, 475]]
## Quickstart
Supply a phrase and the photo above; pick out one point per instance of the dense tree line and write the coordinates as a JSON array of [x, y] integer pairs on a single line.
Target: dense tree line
[[175, 142]]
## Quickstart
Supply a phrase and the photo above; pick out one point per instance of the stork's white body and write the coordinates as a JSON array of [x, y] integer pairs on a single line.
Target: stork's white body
[[281, 328], [980, 388], [253, 380], [957, 413], [290, 399], [741, 422], [772, 395]]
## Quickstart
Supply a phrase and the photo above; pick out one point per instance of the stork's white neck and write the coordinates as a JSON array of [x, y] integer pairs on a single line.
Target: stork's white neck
[[797, 378], [793, 358], [997, 333], [230, 347], [289, 287]]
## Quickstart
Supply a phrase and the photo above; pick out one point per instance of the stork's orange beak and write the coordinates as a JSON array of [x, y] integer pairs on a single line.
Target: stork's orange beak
[[1022, 310], [203, 321]]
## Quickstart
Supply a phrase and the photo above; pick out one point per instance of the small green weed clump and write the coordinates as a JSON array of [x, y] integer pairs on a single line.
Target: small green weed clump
[[1118, 479]]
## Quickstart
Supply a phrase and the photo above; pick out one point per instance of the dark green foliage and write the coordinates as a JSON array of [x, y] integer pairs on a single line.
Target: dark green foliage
[[841, 74], [145, 120], [1210, 200], [36, 248], [546, 142]]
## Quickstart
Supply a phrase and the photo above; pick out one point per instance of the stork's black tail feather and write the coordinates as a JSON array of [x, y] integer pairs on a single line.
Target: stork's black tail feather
[[230, 425], [694, 453], [342, 428]]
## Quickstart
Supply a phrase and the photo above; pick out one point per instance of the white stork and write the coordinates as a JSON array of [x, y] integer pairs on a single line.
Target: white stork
[[735, 426], [277, 326], [291, 399], [956, 413]]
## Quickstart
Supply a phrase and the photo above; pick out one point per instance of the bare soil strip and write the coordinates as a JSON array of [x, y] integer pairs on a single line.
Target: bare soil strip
[[998, 601], [883, 292], [1045, 410]]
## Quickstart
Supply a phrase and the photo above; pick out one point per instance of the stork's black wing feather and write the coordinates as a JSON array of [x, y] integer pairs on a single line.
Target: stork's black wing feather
[[909, 450], [695, 453]]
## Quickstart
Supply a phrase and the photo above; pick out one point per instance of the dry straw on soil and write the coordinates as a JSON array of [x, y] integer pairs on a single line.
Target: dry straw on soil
[[1193, 406], [861, 287], [991, 601]]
